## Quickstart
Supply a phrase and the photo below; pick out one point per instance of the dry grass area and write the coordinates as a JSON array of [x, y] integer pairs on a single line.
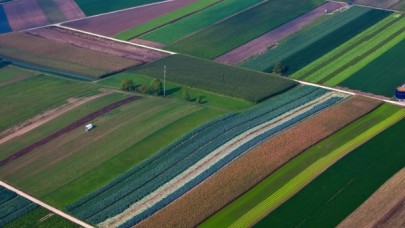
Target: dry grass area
[[385, 208], [60, 56], [244, 173]]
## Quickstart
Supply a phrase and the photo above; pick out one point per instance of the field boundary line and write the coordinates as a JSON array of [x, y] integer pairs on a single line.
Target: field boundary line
[[371, 7], [46, 206], [113, 39]]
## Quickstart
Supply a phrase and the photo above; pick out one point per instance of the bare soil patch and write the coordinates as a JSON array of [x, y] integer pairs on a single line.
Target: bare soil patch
[[113, 23], [262, 43], [70, 9], [385, 208], [25, 14], [99, 44]]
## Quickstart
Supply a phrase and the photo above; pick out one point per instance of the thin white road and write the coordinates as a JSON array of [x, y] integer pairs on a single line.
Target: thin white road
[[372, 7], [46, 206]]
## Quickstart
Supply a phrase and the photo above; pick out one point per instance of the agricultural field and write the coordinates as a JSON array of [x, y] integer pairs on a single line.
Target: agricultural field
[[317, 39], [10, 74], [290, 178], [4, 25], [185, 163], [21, 103], [172, 16], [387, 4], [241, 175], [237, 30], [113, 23], [93, 7], [34, 13], [373, 48], [217, 78], [200, 20], [346, 185], [59, 57]]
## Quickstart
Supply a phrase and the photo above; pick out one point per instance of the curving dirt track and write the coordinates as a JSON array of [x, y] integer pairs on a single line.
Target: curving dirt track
[[116, 22], [25, 14], [95, 43], [262, 43], [67, 129]]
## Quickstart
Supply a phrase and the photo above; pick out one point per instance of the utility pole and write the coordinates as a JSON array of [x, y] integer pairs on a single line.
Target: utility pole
[[164, 80]]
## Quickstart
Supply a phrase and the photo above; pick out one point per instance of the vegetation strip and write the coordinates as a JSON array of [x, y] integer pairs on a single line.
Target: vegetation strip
[[348, 182], [67, 129], [240, 175], [387, 197]]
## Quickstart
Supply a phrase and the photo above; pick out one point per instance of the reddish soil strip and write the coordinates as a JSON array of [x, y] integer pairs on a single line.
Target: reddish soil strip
[[262, 43], [74, 125], [70, 9], [147, 43], [97, 43], [25, 14], [113, 23], [244, 173], [47, 116], [383, 208]]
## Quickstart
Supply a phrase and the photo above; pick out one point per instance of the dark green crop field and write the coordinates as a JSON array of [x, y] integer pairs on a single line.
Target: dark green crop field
[[93, 7]]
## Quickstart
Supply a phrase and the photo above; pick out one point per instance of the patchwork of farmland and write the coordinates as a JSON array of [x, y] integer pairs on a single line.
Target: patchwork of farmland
[[343, 187], [17, 211], [316, 40], [187, 162], [181, 141], [218, 78], [237, 30], [60, 57]]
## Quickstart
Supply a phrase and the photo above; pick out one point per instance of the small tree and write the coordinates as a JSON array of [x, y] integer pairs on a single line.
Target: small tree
[[278, 68], [199, 99], [156, 87], [186, 94], [127, 84], [143, 89]]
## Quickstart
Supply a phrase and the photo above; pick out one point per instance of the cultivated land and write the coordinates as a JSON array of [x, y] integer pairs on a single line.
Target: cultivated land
[[289, 179], [262, 43], [316, 40], [188, 161], [11, 74], [21, 103], [346, 185], [390, 200], [166, 19], [60, 57], [4, 25], [92, 7], [178, 29], [218, 78], [241, 28], [387, 4], [239, 176], [113, 23]]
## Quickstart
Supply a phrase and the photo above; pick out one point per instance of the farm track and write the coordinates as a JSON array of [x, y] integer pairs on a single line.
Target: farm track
[[262, 43], [47, 116], [371, 7], [67, 129], [46, 206]]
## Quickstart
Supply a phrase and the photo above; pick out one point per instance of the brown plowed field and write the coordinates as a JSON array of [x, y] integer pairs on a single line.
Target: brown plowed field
[[244, 173], [74, 125], [60, 56], [99, 44], [113, 23], [385, 208], [70, 9], [24, 14], [262, 43]]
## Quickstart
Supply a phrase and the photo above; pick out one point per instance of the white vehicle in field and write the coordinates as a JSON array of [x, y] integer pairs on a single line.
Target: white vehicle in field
[[88, 127]]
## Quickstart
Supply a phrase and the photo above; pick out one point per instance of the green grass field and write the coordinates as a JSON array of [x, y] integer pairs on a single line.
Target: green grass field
[[93, 7], [173, 90], [24, 99], [33, 219], [237, 30], [178, 29], [327, 200], [20, 142], [217, 78], [382, 75], [11, 74], [287, 180], [166, 19], [316, 40]]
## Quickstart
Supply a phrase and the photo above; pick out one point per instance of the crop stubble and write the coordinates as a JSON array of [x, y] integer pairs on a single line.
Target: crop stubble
[[235, 179]]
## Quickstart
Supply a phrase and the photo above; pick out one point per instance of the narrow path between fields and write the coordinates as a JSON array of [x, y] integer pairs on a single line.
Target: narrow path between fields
[[372, 7], [48, 116], [46, 206]]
